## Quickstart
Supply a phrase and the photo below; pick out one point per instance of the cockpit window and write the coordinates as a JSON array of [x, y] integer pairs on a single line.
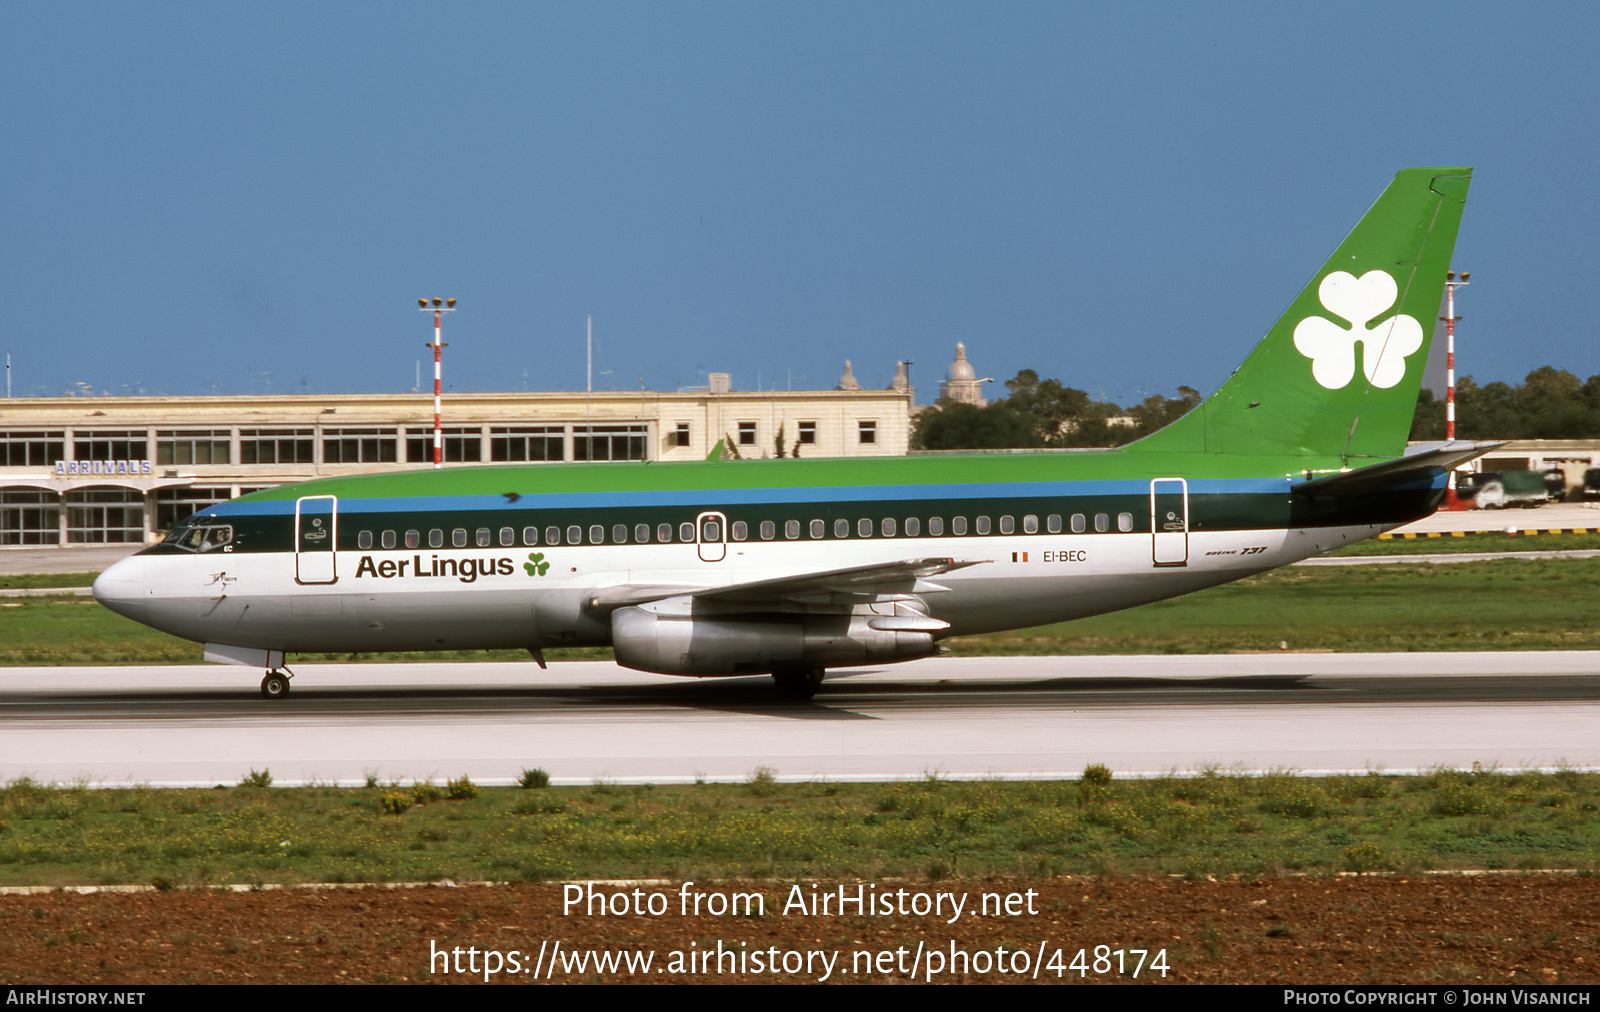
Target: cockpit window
[[204, 537]]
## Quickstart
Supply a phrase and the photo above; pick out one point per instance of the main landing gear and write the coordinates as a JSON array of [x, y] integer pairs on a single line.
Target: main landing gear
[[276, 684], [798, 683]]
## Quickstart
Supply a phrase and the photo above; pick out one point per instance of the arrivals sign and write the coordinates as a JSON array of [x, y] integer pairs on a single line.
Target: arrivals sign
[[103, 468]]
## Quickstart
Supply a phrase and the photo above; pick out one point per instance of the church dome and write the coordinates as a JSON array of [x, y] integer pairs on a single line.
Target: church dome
[[961, 369]]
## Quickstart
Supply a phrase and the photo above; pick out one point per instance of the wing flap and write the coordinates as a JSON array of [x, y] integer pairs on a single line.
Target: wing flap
[[875, 582]]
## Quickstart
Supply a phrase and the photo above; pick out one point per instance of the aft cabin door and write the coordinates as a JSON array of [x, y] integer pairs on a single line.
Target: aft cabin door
[[1169, 521], [712, 533], [315, 539]]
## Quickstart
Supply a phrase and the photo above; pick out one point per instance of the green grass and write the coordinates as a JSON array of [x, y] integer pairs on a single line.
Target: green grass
[[21, 580], [1215, 823], [1510, 604], [1477, 541]]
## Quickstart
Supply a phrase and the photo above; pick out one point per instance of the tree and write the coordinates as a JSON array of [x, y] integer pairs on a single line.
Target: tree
[[954, 426], [1549, 404], [1045, 413]]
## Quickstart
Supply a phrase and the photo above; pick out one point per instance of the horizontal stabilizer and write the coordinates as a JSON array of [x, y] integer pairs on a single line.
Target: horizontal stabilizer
[[1425, 463]]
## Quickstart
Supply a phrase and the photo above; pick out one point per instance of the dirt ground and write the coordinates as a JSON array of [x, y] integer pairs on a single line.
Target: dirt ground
[[1531, 929]]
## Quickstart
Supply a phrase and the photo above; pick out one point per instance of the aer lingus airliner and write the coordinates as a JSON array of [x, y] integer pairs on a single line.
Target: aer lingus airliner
[[791, 567]]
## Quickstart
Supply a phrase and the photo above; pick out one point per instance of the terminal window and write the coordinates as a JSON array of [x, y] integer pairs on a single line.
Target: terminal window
[[526, 442], [276, 446], [359, 446], [608, 442], [198, 446], [459, 445], [31, 449], [110, 446]]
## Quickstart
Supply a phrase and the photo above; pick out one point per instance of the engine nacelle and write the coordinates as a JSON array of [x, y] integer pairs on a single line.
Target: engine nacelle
[[667, 637]]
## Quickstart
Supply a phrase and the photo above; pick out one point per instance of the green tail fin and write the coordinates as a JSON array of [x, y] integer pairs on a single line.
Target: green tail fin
[[1338, 374]]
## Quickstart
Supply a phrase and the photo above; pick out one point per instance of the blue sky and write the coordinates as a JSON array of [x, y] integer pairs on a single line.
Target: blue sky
[[249, 197]]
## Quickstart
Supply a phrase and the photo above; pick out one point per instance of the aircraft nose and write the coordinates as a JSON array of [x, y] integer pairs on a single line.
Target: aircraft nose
[[124, 590]]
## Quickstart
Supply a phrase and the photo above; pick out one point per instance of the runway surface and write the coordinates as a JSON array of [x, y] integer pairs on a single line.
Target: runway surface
[[958, 717]]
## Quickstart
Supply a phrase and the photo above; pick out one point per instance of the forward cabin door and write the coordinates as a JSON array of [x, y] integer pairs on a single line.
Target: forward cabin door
[[712, 534], [1169, 521], [316, 538]]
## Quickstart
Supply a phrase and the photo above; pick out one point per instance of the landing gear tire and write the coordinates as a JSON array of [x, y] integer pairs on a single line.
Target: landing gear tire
[[798, 683], [275, 685]]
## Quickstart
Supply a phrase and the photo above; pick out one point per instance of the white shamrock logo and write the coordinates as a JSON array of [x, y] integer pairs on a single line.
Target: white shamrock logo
[[1332, 348]]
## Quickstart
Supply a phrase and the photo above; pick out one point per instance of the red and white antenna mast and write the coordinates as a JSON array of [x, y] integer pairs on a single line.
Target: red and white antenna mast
[[1450, 318], [438, 308]]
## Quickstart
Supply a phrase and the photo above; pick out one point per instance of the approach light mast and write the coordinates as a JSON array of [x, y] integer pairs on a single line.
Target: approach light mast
[[439, 307]]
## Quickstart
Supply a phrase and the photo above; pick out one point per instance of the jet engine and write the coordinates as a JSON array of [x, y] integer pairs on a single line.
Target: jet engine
[[673, 637]]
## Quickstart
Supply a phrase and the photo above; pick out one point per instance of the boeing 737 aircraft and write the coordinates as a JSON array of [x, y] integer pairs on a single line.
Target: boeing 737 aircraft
[[791, 567]]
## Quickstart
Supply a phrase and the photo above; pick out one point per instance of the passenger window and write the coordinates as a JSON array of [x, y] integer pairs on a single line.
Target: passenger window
[[641, 533], [597, 535], [686, 533], [791, 529], [982, 525], [1124, 522], [1077, 523], [458, 537], [507, 536], [819, 529], [913, 527], [1053, 523], [388, 539], [530, 535], [664, 533], [741, 530], [1030, 524], [936, 527], [888, 527], [485, 537], [710, 531], [1007, 525], [552, 535], [574, 535], [841, 528], [413, 539], [619, 534], [864, 527], [958, 525], [436, 538], [364, 540], [1102, 523], [768, 530]]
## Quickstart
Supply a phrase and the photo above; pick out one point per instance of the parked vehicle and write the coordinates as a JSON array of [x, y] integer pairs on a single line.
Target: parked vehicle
[[1469, 482], [1591, 484], [1499, 489]]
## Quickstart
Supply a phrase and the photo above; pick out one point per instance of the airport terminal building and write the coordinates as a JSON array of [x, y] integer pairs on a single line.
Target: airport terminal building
[[121, 470]]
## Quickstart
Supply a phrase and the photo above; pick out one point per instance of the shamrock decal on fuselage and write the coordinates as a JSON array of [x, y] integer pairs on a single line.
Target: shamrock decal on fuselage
[[1384, 346], [536, 566]]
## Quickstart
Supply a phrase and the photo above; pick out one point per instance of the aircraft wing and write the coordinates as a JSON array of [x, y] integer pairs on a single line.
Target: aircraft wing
[[908, 576], [1427, 462]]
